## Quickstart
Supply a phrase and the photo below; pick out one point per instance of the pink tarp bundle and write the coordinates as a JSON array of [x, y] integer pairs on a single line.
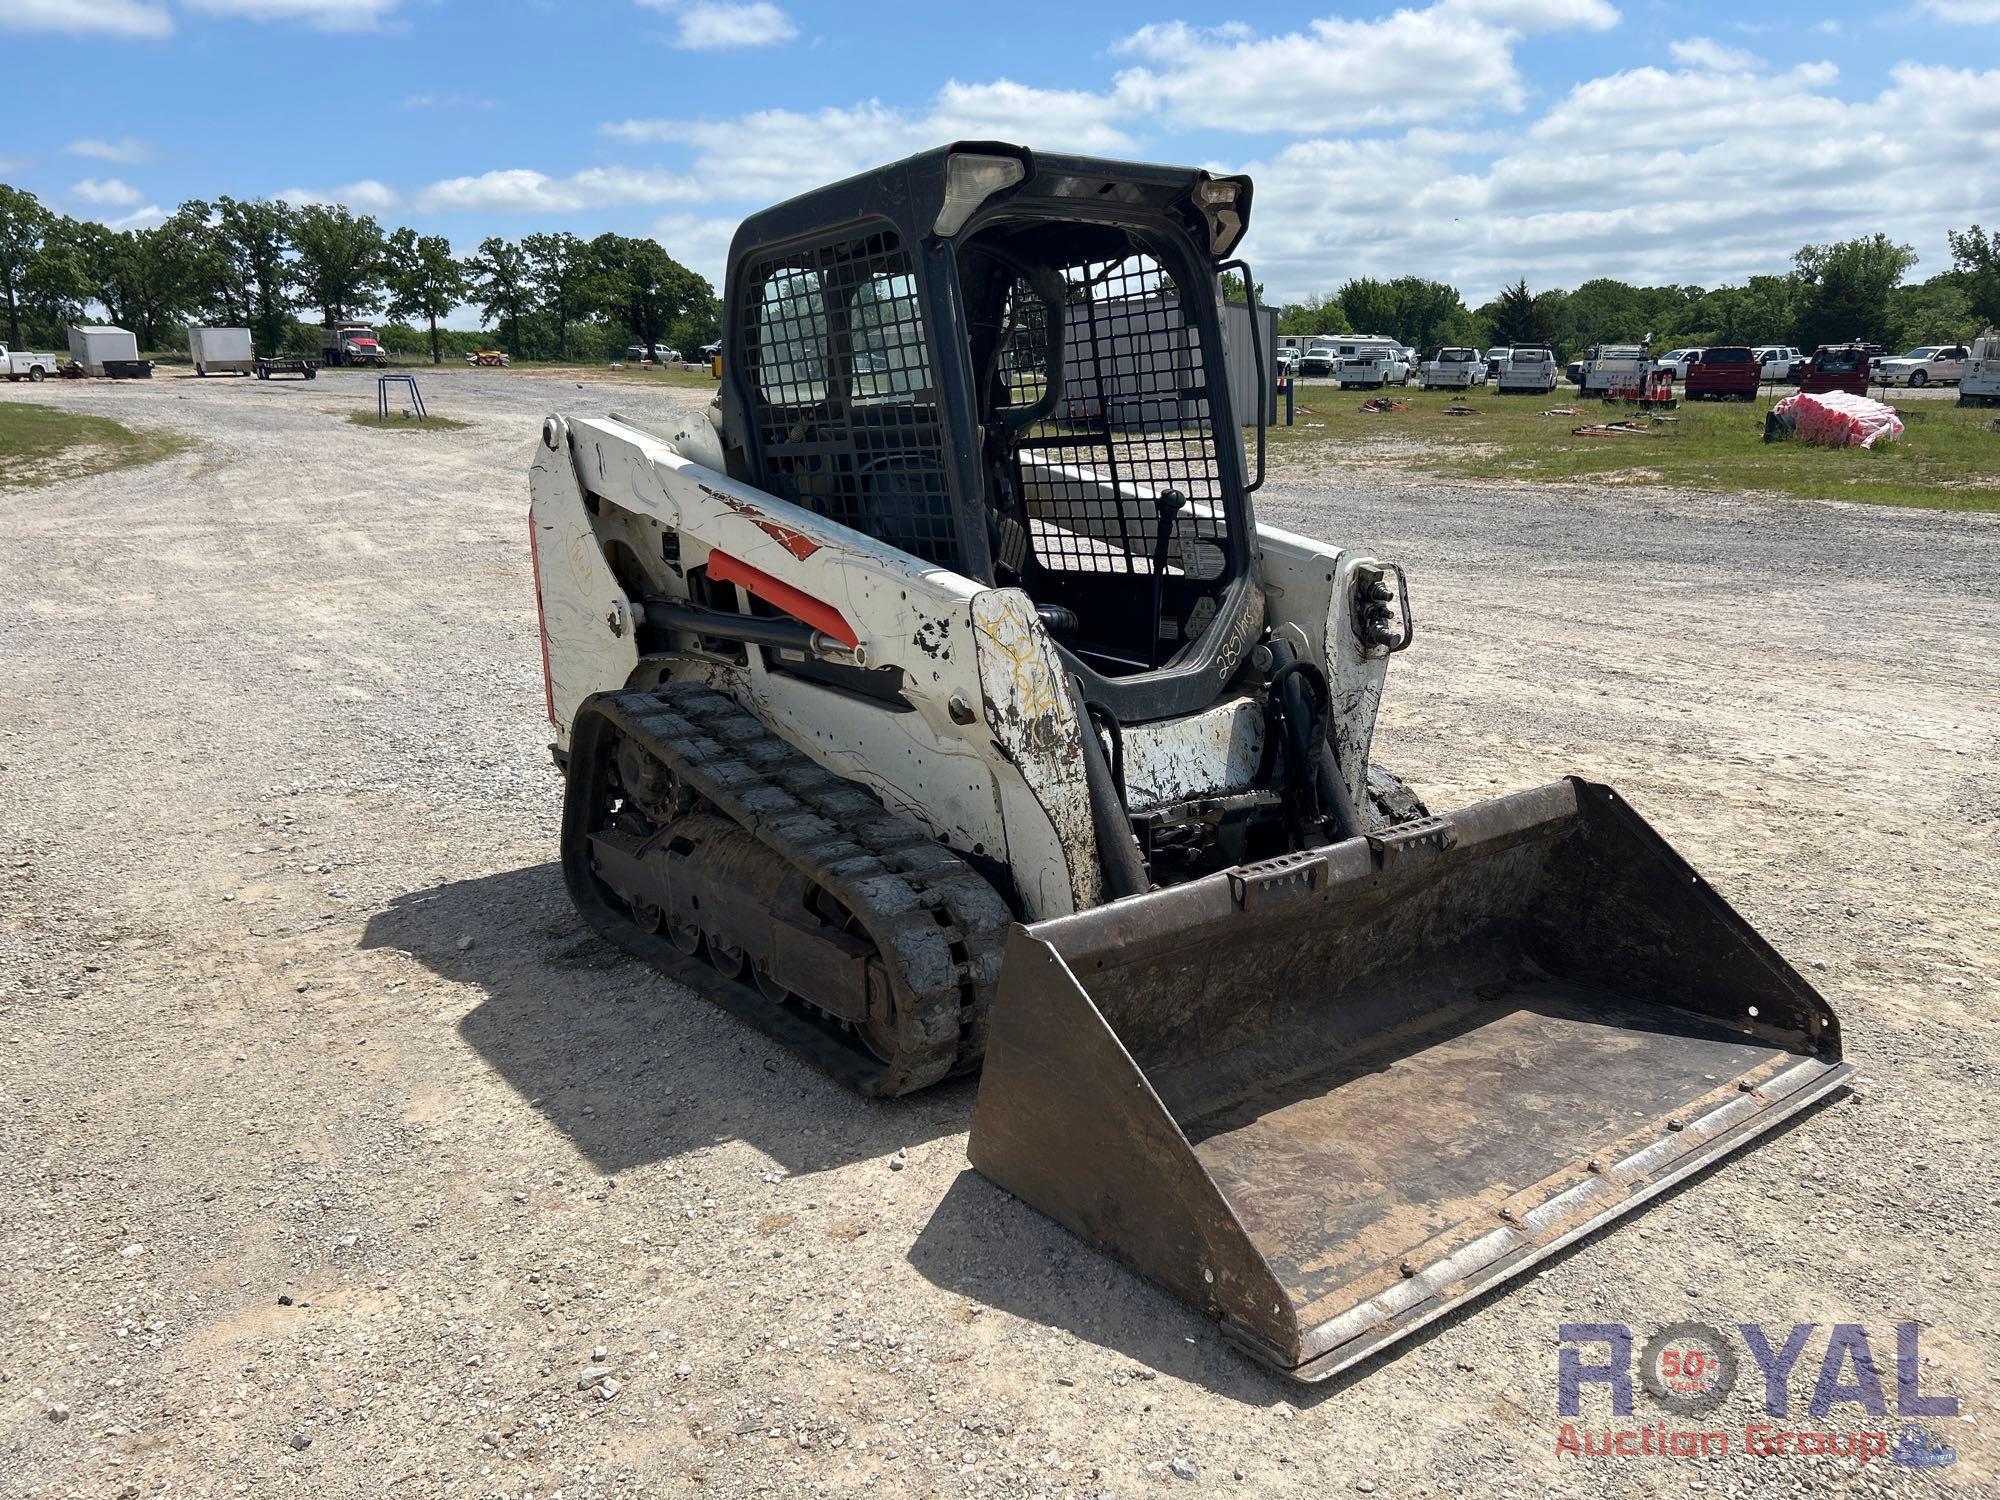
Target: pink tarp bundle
[[1838, 419]]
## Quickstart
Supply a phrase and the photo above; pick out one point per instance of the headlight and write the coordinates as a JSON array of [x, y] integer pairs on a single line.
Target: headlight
[[1224, 202], [969, 180]]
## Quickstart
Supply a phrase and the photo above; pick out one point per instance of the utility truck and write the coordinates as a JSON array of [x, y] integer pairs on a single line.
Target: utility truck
[[1454, 369], [23, 364], [1529, 371], [1980, 385]]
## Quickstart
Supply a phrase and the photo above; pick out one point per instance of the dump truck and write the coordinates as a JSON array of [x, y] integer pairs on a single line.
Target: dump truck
[[351, 344], [971, 719]]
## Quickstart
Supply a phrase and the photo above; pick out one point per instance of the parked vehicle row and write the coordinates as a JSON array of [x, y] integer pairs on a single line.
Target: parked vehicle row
[[1716, 372]]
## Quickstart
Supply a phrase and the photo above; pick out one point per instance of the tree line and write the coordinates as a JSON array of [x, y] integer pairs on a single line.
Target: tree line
[[1852, 289], [260, 263]]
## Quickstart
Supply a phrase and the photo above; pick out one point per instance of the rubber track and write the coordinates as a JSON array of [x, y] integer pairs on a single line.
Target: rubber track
[[938, 925]]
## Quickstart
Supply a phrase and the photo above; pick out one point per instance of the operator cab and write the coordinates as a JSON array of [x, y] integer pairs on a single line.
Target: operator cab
[[1012, 365]]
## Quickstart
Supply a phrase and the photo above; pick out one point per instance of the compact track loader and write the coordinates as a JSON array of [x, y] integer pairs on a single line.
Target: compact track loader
[[939, 698]]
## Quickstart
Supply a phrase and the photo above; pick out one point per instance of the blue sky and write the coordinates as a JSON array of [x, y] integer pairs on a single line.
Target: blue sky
[[1472, 140]]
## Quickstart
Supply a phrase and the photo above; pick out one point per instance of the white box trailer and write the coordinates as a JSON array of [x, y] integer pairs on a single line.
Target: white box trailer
[[92, 346], [1980, 384], [214, 349]]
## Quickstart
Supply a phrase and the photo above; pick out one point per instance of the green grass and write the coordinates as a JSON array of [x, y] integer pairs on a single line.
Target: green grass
[[44, 445], [632, 374], [1946, 459], [399, 423]]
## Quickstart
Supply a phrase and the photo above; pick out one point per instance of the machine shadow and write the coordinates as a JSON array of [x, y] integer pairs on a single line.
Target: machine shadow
[[631, 1066]]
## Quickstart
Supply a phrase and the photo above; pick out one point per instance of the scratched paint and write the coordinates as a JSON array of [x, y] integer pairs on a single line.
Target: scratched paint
[[797, 543], [1036, 728]]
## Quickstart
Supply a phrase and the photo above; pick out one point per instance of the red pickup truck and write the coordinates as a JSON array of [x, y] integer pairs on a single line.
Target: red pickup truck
[[1725, 372], [1838, 367]]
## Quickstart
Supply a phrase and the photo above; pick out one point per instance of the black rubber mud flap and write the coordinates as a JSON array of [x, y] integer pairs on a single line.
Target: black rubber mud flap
[[1327, 1098]]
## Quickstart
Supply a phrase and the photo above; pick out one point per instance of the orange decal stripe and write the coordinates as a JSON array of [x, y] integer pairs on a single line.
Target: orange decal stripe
[[800, 605]]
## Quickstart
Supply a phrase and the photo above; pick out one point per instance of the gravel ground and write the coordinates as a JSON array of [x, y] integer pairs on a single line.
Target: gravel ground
[[343, 1161]]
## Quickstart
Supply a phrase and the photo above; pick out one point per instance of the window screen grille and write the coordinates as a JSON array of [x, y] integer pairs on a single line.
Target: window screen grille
[[846, 408], [1131, 421]]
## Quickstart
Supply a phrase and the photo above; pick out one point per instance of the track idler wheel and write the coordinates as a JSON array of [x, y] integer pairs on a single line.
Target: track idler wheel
[[729, 962]]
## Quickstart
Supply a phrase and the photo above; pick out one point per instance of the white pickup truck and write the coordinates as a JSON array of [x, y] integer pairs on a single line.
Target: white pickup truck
[[1932, 364], [26, 366]]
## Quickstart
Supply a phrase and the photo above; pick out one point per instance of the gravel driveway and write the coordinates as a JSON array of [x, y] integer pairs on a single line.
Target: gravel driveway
[[342, 1160]]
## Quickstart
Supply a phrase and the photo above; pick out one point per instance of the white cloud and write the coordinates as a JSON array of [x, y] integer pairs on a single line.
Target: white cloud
[[149, 217], [1963, 12], [1537, 15], [15, 163], [702, 245], [1706, 52], [1410, 65], [324, 15], [773, 153], [448, 101], [106, 192], [119, 18], [364, 197], [126, 151], [521, 190], [712, 25], [1593, 188]]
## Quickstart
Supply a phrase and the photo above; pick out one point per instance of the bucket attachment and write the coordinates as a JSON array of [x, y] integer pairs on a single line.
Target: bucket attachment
[[1326, 1098]]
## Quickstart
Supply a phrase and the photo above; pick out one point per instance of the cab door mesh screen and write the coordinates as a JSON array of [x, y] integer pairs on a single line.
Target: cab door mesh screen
[[846, 408], [1132, 421]]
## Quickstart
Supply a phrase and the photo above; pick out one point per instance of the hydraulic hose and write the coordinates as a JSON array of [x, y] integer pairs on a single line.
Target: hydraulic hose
[[1309, 750], [1118, 857]]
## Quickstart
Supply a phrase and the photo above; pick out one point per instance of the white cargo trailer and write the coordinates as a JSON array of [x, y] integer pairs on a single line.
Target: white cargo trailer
[[214, 349], [91, 347]]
